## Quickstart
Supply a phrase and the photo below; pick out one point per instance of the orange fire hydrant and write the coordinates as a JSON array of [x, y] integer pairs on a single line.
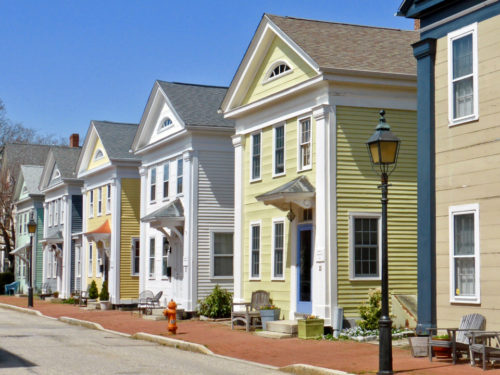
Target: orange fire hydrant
[[170, 314]]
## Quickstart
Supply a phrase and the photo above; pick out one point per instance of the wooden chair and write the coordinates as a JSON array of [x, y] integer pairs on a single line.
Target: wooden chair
[[459, 342], [483, 345], [155, 301], [145, 298], [45, 291], [251, 314]]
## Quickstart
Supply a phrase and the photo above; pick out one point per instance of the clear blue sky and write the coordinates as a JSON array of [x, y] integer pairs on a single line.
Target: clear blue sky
[[65, 63]]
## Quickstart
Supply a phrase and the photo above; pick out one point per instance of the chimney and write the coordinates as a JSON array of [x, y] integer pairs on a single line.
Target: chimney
[[74, 139], [416, 24]]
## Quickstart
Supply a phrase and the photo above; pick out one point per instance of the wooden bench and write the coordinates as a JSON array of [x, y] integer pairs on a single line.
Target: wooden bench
[[45, 291]]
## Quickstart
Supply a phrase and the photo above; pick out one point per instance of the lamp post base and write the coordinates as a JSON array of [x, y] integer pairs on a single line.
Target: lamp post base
[[30, 297]]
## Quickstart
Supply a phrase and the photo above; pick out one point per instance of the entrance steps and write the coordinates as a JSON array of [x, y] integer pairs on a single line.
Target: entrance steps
[[279, 329]]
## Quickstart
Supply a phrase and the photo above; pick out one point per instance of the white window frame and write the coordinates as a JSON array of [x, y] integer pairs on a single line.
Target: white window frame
[[152, 275], [152, 184], [108, 199], [254, 224], [301, 167], [284, 150], [163, 256], [278, 220], [134, 244], [49, 265], [54, 267], [99, 154], [180, 177], [61, 206], [51, 208], [452, 36], [163, 124], [267, 76], [166, 179], [364, 215], [461, 210], [252, 178], [99, 201], [56, 211], [213, 256], [78, 255], [91, 203], [100, 258], [57, 174], [90, 263]]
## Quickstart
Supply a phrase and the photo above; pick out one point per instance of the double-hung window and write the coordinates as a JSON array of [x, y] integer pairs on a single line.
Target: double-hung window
[[99, 265], [256, 153], [62, 203], [463, 75], [78, 256], [278, 248], [51, 207], [108, 199], [89, 269], [279, 150], [180, 172], [166, 175], [91, 203], [464, 253], [255, 251], [56, 212], [222, 245], [136, 256], [164, 257], [365, 246], [151, 258], [152, 185], [305, 159], [99, 201]]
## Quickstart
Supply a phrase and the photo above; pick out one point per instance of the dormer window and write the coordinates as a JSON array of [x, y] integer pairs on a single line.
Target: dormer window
[[99, 154], [57, 174], [166, 123], [277, 70]]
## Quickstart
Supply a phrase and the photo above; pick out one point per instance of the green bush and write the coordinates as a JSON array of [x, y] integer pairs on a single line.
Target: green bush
[[93, 292], [5, 278], [371, 311], [217, 304], [104, 295]]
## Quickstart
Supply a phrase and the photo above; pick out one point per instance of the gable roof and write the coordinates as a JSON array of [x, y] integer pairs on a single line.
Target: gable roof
[[351, 47], [116, 137], [29, 175], [66, 159], [420, 8], [14, 155]]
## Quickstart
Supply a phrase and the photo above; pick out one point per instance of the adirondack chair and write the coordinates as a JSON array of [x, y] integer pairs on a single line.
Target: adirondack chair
[[459, 341], [485, 345], [251, 315], [12, 287]]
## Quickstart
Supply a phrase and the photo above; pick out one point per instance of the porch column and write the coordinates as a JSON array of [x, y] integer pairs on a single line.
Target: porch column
[[84, 248], [44, 250], [320, 279], [238, 234], [144, 230], [114, 258], [188, 263], [66, 266]]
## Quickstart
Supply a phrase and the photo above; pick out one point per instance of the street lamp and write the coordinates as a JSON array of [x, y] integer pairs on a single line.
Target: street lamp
[[31, 231], [383, 147]]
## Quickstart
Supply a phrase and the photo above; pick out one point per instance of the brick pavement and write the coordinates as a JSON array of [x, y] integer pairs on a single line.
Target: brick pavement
[[354, 357]]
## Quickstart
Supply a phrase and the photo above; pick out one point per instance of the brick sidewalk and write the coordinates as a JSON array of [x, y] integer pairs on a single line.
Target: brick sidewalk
[[341, 355]]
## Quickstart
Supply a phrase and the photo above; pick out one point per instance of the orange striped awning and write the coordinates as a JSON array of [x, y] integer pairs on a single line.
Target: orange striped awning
[[103, 229]]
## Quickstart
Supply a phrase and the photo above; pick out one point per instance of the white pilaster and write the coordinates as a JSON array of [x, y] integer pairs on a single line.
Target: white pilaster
[[238, 145], [144, 230], [84, 249], [114, 261], [187, 259], [66, 266]]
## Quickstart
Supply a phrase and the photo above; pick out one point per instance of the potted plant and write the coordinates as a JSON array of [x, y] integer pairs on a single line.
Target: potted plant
[[269, 313], [441, 351], [56, 294], [311, 327], [104, 297], [93, 292]]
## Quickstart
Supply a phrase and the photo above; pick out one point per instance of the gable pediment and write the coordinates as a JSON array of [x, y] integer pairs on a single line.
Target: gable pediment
[[55, 176], [93, 154]]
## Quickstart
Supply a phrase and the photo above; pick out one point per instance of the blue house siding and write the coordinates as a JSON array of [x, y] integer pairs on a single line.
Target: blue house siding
[[39, 249], [76, 213]]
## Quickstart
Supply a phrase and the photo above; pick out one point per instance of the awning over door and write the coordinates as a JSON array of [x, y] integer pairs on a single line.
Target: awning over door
[[169, 216], [299, 191]]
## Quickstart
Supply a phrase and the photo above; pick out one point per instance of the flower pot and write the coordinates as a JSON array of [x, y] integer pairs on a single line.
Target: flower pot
[[105, 305], [440, 351], [269, 316], [310, 328]]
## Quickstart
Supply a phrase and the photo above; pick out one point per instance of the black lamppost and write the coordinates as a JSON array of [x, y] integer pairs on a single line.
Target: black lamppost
[[383, 147], [31, 231]]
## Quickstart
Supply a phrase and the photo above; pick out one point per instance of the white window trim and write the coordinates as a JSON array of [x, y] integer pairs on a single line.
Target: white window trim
[[275, 221], [252, 224], [457, 34], [54, 266], [167, 163], [364, 215], [99, 154], [61, 206], [78, 266], [152, 201], [151, 277], [212, 254], [179, 176], [51, 208], [163, 276], [301, 168], [57, 174], [108, 199], [56, 211], [90, 261], [162, 128], [132, 256], [251, 157], [274, 150], [268, 79], [99, 201], [100, 257], [91, 203], [465, 209]]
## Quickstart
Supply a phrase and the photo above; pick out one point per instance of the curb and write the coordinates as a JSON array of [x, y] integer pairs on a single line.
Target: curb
[[23, 309], [90, 325], [302, 369], [174, 343]]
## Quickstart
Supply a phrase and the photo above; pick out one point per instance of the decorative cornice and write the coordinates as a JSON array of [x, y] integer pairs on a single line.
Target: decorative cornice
[[423, 48]]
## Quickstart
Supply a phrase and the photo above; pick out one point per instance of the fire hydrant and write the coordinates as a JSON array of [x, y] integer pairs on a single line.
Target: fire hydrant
[[170, 313]]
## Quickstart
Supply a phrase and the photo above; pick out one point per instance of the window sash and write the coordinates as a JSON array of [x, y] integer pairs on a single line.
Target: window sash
[[165, 248], [152, 192], [166, 172], [136, 256], [99, 201], [256, 149], [279, 149], [222, 254], [91, 203], [366, 247], [152, 258], [305, 143], [255, 243], [180, 172], [108, 199], [278, 244]]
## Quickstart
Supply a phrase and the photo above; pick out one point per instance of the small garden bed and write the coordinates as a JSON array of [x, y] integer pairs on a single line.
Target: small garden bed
[[359, 334]]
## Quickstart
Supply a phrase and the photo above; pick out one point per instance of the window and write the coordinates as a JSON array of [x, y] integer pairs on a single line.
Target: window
[[99, 154], [89, 270], [166, 123], [57, 174], [462, 68], [307, 214], [99, 265], [78, 256], [166, 172], [305, 144], [108, 199], [278, 247], [152, 194], [279, 150], [255, 251], [91, 203], [365, 246], [51, 206], [151, 258], [99, 201], [464, 253], [222, 254], [49, 264], [164, 257], [256, 150], [278, 70], [136, 256], [62, 202], [54, 266], [179, 175], [20, 223], [56, 212]]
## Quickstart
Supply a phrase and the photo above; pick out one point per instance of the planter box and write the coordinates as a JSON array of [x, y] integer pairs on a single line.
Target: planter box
[[310, 328], [269, 316], [105, 305]]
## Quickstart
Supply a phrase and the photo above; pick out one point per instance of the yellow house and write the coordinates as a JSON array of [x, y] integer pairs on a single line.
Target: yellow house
[[305, 100], [111, 209]]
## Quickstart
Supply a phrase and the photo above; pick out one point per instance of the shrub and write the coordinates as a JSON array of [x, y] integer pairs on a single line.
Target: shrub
[[217, 304], [5, 278], [93, 292], [104, 295], [371, 311]]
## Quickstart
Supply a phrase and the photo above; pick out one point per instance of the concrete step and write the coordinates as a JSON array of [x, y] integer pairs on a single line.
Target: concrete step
[[153, 317], [283, 326], [273, 335]]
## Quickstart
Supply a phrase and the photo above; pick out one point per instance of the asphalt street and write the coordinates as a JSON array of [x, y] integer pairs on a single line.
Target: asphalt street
[[36, 345]]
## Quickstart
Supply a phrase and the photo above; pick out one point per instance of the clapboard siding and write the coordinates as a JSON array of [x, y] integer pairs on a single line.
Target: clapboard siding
[[39, 249], [129, 228], [357, 192], [215, 211]]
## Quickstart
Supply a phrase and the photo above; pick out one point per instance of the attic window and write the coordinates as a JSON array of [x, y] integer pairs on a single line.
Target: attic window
[[25, 189], [57, 174], [99, 155], [278, 69], [166, 123]]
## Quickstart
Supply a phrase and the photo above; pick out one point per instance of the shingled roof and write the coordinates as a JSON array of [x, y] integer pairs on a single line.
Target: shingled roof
[[352, 47], [116, 138], [197, 105], [66, 159], [31, 175], [16, 154]]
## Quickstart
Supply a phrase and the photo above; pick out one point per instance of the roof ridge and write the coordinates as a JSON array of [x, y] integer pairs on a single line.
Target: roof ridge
[[114, 122], [341, 23], [193, 84]]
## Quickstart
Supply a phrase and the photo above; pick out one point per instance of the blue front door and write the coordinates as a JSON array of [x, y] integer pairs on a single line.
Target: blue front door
[[304, 268]]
